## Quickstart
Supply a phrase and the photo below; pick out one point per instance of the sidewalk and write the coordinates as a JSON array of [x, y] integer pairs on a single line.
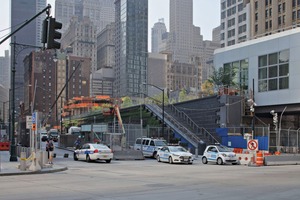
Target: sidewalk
[[8, 168]]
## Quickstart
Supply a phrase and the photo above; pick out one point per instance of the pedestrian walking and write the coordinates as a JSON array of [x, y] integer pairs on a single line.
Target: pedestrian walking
[[50, 149]]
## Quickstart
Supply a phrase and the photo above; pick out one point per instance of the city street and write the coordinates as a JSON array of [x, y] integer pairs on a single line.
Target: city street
[[148, 179]]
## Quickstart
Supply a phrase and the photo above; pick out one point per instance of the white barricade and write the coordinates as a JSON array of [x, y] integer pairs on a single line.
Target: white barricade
[[244, 159]]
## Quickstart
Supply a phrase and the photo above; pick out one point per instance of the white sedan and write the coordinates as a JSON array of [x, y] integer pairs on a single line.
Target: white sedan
[[92, 151], [174, 154]]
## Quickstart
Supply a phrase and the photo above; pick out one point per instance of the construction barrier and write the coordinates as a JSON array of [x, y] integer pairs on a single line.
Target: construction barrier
[[259, 158], [4, 146], [244, 158]]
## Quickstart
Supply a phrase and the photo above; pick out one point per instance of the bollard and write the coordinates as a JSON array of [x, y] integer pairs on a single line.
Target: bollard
[[44, 158], [23, 161]]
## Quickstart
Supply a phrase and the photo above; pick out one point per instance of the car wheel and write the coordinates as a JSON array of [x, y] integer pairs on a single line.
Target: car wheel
[[154, 155], [204, 160], [158, 158], [170, 160], [75, 156], [88, 159], [219, 161], [108, 161]]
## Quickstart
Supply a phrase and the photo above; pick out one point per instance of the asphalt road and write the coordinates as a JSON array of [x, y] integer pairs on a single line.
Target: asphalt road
[[149, 180]]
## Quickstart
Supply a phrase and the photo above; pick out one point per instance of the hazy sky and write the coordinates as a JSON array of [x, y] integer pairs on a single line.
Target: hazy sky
[[206, 16]]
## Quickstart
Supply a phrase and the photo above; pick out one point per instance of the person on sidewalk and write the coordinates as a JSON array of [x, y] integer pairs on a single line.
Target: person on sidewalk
[[50, 149]]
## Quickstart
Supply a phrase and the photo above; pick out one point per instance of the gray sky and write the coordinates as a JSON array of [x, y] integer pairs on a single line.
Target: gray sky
[[206, 16]]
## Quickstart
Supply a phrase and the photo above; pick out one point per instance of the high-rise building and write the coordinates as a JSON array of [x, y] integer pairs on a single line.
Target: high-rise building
[[100, 12], [216, 37], [81, 37], [269, 17], [4, 70], [181, 37], [157, 36], [235, 22], [22, 10], [131, 45]]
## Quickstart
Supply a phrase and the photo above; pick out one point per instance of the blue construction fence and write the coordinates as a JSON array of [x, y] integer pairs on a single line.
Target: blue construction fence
[[234, 141]]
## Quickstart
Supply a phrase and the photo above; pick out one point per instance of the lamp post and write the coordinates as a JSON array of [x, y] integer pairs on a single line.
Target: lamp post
[[17, 48], [275, 122], [163, 105]]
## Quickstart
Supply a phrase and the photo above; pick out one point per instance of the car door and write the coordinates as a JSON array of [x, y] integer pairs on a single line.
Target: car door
[[82, 151], [165, 154], [212, 153]]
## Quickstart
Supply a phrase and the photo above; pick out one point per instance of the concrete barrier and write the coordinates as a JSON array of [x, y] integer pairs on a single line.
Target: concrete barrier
[[283, 159], [128, 155]]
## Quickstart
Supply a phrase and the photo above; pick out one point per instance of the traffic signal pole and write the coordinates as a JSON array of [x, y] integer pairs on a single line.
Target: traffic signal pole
[[47, 10]]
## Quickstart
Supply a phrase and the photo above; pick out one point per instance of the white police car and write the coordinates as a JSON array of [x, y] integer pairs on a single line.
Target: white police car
[[174, 154], [93, 151], [219, 154]]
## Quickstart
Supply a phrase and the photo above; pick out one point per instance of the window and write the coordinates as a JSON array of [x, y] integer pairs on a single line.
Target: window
[[256, 5], [279, 8], [283, 6], [279, 21], [256, 16], [267, 13], [273, 71], [256, 28], [266, 2], [267, 25]]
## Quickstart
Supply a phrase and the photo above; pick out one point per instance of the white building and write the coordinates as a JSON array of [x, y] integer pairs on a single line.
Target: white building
[[235, 22], [271, 65]]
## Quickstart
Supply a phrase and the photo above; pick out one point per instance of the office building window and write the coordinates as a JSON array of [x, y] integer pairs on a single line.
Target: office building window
[[273, 71]]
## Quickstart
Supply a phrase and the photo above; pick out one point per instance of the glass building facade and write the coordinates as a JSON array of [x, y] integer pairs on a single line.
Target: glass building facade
[[131, 45]]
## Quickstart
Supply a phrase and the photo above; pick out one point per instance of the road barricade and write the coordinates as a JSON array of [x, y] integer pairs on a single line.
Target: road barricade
[[245, 158], [4, 146]]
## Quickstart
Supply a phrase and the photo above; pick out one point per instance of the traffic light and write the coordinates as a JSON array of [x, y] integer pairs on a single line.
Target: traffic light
[[53, 34], [44, 31]]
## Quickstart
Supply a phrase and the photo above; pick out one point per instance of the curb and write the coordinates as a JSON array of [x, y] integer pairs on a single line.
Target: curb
[[34, 172]]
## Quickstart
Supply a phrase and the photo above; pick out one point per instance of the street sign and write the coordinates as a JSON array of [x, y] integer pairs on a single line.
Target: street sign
[[33, 118], [28, 122], [252, 145]]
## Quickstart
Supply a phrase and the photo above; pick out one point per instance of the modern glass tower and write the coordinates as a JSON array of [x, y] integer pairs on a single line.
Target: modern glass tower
[[131, 47], [22, 10]]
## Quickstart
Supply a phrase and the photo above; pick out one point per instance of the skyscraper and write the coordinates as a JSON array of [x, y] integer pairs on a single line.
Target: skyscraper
[[100, 12], [269, 17], [158, 31], [131, 45], [235, 22], [22, 10], [182, 31]]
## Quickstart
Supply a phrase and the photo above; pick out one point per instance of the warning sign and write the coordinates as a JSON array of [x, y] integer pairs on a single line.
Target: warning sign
[[252, 145]]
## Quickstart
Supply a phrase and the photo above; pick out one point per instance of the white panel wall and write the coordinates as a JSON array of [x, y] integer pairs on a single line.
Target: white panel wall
[[253, 49]]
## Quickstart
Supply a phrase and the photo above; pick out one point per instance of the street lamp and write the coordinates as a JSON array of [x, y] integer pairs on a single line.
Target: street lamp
[[163, 105], [275, 122]]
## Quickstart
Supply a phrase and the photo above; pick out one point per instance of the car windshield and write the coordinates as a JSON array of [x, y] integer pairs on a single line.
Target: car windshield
[[223, 149], [100, 146], [177, 149], [160, 143]]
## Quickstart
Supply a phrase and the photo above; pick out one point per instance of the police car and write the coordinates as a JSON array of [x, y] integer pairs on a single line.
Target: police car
[[219, 154], [93, 151], [174, 154], [150, 146]]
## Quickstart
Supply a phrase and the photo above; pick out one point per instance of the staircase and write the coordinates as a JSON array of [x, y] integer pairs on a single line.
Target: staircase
[[183, 125]]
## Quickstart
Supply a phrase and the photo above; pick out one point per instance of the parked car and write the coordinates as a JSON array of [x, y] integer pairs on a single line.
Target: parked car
[[174, 154], [43, 135], [219, 154], [150, 146], [53, 134], [93, 151]]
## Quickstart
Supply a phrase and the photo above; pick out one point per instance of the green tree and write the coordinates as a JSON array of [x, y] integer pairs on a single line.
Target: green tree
[[223, 77], [126, 102]]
